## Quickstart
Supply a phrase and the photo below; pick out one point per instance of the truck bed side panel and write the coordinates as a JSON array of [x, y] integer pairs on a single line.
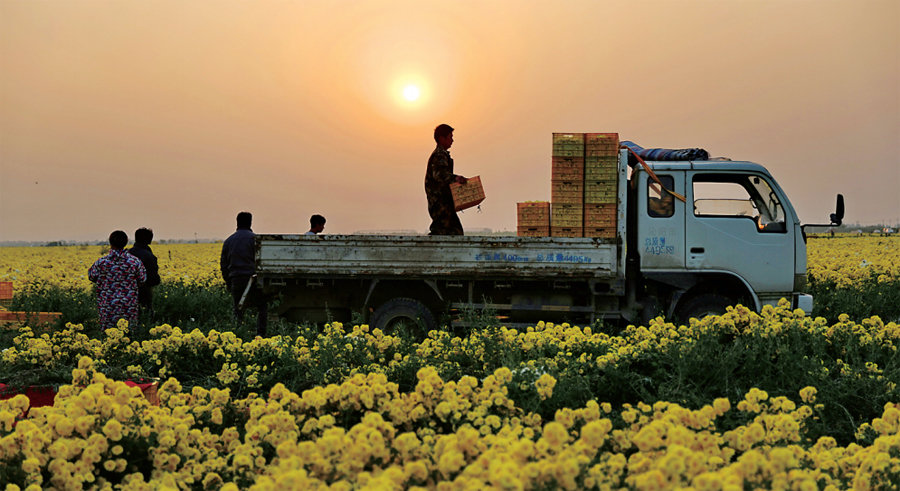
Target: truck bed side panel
[[448, 257]]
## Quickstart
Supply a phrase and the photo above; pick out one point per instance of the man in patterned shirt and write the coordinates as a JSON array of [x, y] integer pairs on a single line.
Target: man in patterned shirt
[[117, 275], [437, 185]]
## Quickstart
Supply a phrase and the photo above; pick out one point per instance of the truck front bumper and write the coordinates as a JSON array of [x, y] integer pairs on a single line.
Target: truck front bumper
[[802, 301]]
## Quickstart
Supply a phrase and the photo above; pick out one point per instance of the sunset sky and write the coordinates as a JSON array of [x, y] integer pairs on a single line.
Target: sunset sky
[[176, 115]]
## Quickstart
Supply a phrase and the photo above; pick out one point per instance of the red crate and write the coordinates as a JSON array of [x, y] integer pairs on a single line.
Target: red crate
[[6, 293], [601, 138], [467, 195], [533, 231], [31, 318], [600, 232], [601, 144], [600, 215], [566, 232], [568, 168], [533, 214]]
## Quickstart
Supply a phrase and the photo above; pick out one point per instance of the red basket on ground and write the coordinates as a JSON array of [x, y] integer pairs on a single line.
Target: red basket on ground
[[6, 293]]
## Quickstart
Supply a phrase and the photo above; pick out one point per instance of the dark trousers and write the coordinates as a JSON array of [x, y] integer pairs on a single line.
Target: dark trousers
[[145, 299], [254, 299]]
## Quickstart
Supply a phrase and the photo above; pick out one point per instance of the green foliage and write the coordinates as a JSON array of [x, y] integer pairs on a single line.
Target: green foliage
[[863, 299]]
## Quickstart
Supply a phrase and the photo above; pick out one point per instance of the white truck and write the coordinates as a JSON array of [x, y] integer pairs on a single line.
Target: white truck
[[734, 239]]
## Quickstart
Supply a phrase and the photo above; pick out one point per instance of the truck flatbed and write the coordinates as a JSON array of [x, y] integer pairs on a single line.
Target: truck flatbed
[[435, 257]]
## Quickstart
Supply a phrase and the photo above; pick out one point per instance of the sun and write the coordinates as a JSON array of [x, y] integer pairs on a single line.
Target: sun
[[411, 93]]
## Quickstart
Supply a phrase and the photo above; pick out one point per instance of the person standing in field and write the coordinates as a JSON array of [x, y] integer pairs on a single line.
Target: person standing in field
[[316, 225], [118, 276], [141, 250], [238, 271], [438, 177]]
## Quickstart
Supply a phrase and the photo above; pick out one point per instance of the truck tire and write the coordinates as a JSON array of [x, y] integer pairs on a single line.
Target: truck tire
[[403, 311], [703, 305]]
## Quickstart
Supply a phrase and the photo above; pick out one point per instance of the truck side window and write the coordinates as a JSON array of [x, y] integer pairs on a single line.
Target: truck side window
[[739, 196], [660, 204]]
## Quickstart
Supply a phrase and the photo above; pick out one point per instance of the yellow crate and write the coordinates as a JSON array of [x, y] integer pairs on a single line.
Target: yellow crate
[[467, 195], [566, 215]]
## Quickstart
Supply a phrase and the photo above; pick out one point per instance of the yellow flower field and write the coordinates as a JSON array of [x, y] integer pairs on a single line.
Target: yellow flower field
[[67, 266], [363, 432], [775, 399], [848, 259]]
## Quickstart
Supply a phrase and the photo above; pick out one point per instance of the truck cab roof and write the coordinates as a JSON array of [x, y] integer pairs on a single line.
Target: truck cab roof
[[708, 165]]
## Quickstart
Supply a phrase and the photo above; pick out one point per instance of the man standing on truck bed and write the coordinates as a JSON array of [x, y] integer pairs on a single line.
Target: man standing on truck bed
[[238, 267], [437, 185]]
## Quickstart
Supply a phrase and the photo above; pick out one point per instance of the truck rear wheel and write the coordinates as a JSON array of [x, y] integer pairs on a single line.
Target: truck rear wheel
[[703, 305], [401, 313]]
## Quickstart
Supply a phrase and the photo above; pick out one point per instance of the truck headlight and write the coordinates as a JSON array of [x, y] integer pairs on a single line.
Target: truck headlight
[[804, 302]]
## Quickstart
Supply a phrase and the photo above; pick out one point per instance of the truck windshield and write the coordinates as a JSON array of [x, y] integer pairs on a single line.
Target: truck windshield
[[737, 195]]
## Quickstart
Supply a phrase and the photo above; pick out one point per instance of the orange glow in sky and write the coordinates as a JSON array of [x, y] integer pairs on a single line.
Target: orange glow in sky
[[177, 114]]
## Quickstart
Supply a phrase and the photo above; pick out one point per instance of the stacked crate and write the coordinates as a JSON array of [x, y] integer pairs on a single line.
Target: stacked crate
[[533, 219], [600, 184], [567, 191]]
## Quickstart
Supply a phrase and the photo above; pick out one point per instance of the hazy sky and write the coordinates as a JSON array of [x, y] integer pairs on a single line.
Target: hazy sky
[[178, 114]]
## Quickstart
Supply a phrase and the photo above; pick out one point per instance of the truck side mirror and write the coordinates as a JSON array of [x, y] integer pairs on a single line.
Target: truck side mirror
[[838, 214]]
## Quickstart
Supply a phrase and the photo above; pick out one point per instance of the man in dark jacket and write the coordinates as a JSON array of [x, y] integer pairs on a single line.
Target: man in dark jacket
[[141, 250], [238, 268], [438, 177]]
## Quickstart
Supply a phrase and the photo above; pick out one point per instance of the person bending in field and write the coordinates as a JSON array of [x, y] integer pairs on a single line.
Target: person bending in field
[[141, 250], [118, 276], [238, 268]]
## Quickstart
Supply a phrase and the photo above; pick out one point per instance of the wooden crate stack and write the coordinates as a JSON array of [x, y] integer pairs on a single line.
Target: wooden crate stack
[[584, 190], [600, 184], [534, 219], [567, 186]]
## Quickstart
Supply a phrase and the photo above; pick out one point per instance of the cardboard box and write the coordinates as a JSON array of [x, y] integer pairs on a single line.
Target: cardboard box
[[467, 195]]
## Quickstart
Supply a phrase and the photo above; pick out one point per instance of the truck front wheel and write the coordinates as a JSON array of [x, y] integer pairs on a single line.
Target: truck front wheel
[[703, 305], [401, 313]]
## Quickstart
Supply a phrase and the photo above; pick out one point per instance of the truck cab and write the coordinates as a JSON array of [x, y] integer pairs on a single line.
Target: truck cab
[[734, 238]]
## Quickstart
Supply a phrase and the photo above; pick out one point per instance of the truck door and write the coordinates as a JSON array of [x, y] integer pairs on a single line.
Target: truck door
[[737, 223], [661, 221]]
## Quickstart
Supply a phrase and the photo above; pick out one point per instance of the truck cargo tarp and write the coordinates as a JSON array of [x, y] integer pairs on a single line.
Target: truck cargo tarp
[[664, 153]]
